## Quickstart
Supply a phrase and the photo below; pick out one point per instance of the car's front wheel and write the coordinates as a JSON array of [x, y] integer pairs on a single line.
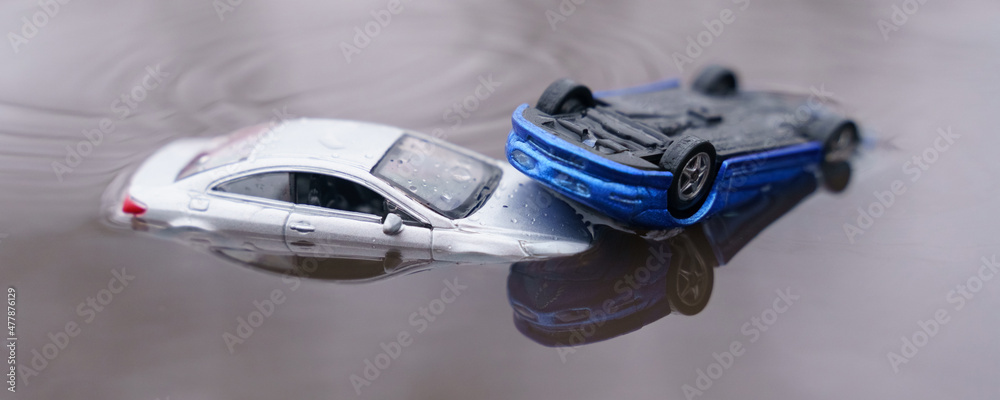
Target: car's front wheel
[[692, 162]]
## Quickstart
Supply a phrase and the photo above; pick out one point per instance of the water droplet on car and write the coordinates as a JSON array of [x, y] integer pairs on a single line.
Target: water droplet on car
[[460, 174], [514, 220]]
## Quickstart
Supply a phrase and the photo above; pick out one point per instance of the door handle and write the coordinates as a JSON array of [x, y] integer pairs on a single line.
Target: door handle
[[302, 227]]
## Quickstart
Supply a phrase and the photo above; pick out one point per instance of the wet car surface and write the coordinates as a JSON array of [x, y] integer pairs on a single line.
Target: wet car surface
[[882, 291]]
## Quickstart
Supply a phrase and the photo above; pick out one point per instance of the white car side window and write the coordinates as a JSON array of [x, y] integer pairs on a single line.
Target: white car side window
[[271, 185], [337, 194]]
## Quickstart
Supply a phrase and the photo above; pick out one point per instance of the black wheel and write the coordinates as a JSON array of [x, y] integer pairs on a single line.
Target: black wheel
[[715, 80], [839, 136], [690, 279], [565, 96], [841, 143], [692, 161]]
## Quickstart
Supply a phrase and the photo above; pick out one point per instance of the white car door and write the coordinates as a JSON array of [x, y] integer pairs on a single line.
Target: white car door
[[250, 211], [337, 216]]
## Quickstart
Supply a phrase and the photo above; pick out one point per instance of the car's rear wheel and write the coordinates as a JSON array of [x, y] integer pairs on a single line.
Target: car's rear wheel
[[716, 80], [692, 161], [842, 143], [565, 96], [840, 136]]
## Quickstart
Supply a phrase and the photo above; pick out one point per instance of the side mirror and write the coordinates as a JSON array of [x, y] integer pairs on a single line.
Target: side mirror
[[392, 224]]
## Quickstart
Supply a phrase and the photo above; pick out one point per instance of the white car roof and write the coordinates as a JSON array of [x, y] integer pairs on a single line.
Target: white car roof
[[350, 142]]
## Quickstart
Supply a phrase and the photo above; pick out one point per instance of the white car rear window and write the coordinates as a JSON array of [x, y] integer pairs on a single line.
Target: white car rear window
[[224, 150]]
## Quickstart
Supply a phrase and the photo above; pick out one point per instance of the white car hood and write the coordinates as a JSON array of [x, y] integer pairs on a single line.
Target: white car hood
[[524, 209]]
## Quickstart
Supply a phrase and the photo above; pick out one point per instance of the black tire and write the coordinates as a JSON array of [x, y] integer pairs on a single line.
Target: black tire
[[715, 80], [690, 279], [842, 143], [689, 188], [839, 136], [565, 96]]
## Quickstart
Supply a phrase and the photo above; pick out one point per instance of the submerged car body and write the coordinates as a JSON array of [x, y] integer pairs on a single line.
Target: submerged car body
[[661, 157], [329, 188]]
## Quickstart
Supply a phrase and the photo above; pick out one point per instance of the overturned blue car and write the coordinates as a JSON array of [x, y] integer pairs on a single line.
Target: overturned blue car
[[660, 156]]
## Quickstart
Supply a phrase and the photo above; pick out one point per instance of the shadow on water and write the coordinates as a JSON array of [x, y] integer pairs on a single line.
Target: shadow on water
[[340, 270], [626, 281]]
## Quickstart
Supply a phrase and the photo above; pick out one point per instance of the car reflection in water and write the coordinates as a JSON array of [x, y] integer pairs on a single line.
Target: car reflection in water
[[334, 269], [627, 281]]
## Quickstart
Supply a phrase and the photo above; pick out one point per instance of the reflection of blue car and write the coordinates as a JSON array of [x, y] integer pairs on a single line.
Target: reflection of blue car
[[622, 284], [659, 157], [626, 282]]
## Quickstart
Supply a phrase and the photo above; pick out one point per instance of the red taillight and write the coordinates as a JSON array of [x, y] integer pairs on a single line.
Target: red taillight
[[130, 206]]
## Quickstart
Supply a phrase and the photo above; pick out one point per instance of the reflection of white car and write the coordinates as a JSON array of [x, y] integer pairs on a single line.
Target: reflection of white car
[[336, 188]]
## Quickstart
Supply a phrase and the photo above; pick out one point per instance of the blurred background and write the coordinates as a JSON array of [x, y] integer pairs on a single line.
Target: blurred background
[[90, 88]]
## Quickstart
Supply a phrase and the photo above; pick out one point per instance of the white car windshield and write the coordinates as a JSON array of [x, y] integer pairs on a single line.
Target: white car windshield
[[451, 183]]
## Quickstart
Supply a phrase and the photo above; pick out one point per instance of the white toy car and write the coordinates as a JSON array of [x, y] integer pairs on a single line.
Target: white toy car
[[325, 188]]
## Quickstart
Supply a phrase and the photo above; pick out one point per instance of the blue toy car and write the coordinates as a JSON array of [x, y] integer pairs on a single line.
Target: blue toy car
[[659, 157]]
